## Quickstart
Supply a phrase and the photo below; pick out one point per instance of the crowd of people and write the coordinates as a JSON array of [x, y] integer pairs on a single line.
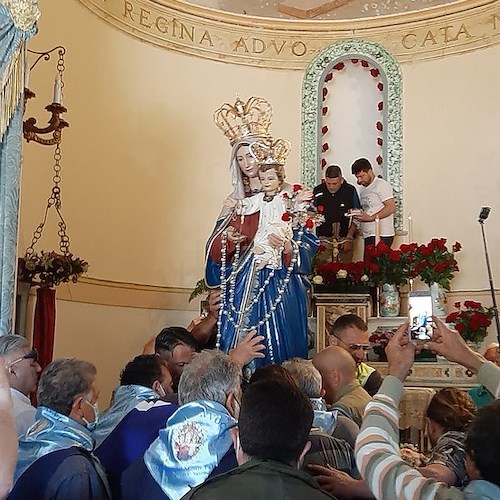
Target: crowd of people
[[231, 406], [198, 429]]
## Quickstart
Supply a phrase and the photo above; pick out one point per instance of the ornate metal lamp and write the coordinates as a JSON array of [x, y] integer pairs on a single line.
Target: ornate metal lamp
[[30, 131]]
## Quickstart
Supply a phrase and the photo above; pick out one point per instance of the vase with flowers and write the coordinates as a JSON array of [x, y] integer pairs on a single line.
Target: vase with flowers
[[436, 265], [471, 320], [389, 270]]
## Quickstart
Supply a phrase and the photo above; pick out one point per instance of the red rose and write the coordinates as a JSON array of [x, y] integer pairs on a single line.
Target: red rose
[[320, 208], [379, 160], [380, 106], [324, 110], [379, 126], [324, 130], [323, 163], [380, 141], [460, 328], [339, 66], [374, 72], [452, 317], [380, 86], [285, 195], [472, 305], [286, 217], [309, 223], [457, 247], [394, 255], [457, 305], [364, 64], [321, 248], [354, 61], [425, 250], [325, 147], [373, 267], [328, 77], [296, 187]]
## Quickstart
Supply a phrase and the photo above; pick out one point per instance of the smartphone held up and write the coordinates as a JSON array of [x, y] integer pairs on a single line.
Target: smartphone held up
[[420, 316]]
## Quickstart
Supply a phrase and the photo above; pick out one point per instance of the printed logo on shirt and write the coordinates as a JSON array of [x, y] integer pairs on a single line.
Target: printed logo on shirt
[[188, 440]]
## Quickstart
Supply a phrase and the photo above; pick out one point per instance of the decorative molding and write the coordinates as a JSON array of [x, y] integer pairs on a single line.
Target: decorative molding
[[392, 125], [424, 34], [120, 294]]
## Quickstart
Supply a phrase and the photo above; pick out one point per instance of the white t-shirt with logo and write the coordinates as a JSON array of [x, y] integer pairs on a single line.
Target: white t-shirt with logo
[[372, 200]]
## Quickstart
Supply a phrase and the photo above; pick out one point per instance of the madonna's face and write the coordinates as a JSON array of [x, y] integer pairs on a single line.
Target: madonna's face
[[246, 162]]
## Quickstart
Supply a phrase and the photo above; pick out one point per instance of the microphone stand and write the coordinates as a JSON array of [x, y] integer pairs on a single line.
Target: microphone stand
[[492, 287]]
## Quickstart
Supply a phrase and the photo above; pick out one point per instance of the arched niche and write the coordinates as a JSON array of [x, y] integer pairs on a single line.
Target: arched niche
[[388, 133]]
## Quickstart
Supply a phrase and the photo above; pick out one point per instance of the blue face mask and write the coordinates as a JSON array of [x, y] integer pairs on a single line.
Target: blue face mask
[[92, 425]]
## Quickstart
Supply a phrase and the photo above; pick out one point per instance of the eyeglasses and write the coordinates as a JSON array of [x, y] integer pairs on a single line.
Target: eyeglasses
[[33, 354], [354, 347]]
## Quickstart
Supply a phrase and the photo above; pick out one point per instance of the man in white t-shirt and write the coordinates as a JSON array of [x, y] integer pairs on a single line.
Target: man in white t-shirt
[[22, 371], [377, 202]]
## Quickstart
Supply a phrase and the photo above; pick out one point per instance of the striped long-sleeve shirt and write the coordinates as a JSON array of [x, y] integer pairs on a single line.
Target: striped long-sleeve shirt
[[377, 447]]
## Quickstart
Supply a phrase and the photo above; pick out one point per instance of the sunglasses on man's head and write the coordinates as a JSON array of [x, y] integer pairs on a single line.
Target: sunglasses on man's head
[[33, 354]]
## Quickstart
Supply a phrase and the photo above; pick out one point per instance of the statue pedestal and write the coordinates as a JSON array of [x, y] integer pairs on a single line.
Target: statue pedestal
[[329, 306]]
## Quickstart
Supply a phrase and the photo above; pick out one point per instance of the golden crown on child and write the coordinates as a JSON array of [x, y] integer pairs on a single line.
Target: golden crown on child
[[244, 120], [270, 152]]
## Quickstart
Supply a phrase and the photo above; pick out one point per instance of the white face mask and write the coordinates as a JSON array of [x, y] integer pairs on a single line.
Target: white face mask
[[236, 408], [163, 394], [92, 425]]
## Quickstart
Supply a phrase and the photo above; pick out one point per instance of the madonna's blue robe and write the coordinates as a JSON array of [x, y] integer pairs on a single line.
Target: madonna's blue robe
[[285, 333]]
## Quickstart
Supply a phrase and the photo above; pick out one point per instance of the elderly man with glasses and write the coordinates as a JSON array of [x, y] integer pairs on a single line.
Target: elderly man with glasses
[[22, 371], [351, 333]]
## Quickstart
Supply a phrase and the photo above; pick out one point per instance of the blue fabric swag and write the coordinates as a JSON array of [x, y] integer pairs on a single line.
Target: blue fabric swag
[[189, 448], [324, 420], [125, 399], [52, 431]]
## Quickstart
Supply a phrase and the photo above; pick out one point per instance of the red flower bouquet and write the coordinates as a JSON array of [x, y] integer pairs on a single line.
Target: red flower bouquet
[[434, 263], [471, 320], [387, 265], [343, 276]]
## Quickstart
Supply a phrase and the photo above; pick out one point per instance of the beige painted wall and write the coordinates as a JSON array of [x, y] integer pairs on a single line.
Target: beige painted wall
[[145, 170]]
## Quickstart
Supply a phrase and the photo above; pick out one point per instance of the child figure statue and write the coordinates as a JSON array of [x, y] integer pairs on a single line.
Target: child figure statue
[[271, 203]]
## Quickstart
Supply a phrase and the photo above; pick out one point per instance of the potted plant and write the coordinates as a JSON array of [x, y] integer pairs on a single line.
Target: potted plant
[[436, 265], [341, 277], [389, 269], [471, 320]]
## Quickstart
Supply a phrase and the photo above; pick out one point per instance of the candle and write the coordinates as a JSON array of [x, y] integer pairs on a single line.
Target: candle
[[57, 89], [410, 228], [377, 230], [26, 73]]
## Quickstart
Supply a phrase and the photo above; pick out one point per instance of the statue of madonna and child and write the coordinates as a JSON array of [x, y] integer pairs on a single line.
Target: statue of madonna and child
[[262, 247]]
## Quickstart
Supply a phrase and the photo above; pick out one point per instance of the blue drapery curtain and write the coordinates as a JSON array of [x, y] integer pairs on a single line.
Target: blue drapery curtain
[[15, 30]]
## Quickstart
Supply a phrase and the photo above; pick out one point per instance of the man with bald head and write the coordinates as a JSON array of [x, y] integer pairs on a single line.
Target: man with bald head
[[350, 332], [492, 353], [343, 391]]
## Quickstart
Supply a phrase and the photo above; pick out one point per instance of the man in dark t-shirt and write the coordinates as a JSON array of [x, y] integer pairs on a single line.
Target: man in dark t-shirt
[[337, 197]]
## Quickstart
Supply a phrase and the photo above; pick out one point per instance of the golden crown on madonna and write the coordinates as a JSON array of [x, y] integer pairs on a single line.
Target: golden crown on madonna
[[270, 152], [244, 120]]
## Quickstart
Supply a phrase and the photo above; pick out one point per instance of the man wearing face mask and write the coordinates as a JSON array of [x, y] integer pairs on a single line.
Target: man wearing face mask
[[135, 417], [55, 456], [196, 442], [145, 378]]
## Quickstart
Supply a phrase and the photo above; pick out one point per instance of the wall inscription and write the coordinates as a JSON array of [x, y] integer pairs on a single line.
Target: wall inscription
[[276, 43]]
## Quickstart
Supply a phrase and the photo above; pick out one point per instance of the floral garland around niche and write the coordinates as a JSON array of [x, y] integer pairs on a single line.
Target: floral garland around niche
[[375, 73]]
